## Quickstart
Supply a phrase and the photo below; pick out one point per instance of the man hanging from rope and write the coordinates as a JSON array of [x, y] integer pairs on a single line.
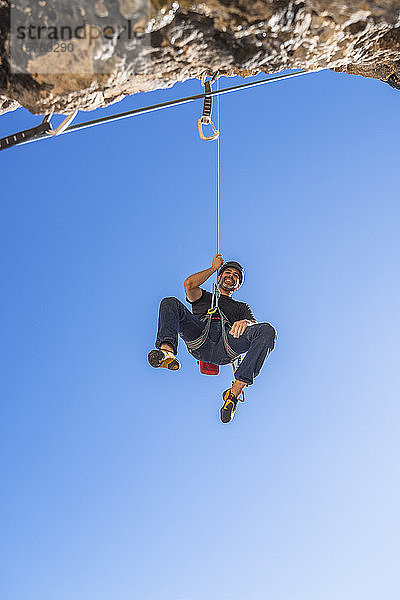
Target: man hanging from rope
[[243, 333]]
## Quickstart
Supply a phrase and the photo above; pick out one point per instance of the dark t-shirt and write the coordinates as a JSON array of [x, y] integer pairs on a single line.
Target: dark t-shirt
[[232, 309]]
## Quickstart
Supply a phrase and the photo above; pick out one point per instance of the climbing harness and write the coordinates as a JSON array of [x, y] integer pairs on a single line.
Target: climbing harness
[[155, 107], [205, 119], [43, 129], [211, 314]]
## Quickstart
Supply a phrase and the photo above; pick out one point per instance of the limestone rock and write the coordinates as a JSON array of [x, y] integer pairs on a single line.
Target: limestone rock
[[142, 45]]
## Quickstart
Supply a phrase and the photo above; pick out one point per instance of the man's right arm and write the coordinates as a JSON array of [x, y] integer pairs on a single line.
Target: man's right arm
[[193, 282]]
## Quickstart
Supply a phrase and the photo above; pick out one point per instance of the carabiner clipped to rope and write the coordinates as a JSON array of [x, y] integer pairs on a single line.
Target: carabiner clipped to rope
[[44, 128], [205, 119], [63, 126]]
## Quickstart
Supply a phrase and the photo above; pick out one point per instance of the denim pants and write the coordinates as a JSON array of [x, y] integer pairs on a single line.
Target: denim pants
[[257, 341]]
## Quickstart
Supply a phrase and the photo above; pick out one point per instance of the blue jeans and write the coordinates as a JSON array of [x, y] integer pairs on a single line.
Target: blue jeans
[[257, 341]]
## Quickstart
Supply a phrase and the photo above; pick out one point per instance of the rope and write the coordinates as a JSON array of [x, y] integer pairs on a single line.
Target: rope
[[170, 103], [216, 292], [218, 169], [196, 344]]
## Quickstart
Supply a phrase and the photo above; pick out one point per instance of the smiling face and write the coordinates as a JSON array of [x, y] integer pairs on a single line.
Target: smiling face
[[229, 280]]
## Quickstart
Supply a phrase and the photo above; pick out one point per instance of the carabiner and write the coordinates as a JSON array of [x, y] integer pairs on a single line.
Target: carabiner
[[207, 121], [63, 126]]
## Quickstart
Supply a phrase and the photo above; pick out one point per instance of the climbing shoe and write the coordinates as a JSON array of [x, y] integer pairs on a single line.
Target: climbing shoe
[[229, 406], [163, 358]]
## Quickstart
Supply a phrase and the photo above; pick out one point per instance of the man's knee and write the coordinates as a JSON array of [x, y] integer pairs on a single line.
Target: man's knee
[[170, 301], [267, 332], [173, 306]]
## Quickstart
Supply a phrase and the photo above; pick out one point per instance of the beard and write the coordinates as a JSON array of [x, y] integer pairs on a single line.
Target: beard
[[228, 286]]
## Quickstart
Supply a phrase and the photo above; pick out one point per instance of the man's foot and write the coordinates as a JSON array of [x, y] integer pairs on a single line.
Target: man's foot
[[163, 358], [229, 406]]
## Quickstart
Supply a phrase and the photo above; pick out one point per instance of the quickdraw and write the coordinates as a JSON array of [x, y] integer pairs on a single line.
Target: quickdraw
[[43, 129], [163, 105], [205, 119]]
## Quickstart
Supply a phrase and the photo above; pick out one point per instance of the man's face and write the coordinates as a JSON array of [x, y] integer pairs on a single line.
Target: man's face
[[230, 279]]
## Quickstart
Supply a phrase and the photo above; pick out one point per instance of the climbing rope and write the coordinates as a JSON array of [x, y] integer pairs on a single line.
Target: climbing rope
[[216, 291], [218, 168], [196, 344], [206, 119], [169, 104], [214, 308]]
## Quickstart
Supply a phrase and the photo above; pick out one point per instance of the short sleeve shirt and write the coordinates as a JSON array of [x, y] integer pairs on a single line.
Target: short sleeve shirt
[[232, 309]]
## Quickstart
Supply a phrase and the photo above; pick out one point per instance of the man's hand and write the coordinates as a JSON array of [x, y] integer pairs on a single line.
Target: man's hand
[[193, 282], [239, 326], [217, 262]]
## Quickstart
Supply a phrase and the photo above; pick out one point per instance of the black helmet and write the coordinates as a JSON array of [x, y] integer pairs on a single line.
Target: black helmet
[[234, 265]]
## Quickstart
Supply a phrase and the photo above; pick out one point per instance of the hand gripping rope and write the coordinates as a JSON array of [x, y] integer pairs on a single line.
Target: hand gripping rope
[[44, 128]]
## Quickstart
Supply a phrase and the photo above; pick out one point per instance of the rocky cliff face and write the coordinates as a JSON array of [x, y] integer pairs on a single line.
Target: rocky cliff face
[[120, 47]]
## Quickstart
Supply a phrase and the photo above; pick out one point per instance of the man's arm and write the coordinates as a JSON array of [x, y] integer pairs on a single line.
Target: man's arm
[[193, 282]]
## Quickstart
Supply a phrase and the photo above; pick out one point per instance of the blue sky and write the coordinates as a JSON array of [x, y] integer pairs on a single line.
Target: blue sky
[[119, 481]]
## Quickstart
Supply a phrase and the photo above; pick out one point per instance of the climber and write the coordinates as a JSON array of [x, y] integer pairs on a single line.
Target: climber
[[244, 334]]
